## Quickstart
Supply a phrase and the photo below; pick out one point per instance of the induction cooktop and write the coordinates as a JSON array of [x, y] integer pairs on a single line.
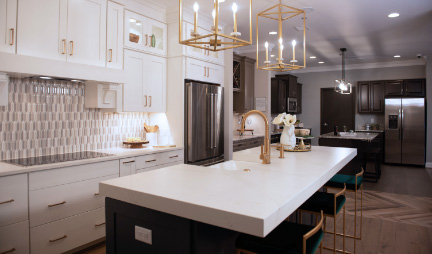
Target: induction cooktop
[[48, 159]]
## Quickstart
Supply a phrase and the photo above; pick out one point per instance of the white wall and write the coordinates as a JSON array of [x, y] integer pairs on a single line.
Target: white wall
[[314, 81], [429, 112]]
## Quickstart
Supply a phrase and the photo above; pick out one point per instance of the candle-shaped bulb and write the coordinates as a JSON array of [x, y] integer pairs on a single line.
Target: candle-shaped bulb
[[281, 47], [293, 43], [280, 41], [214, 17], [234, 8], [196, 7], [266, 45]]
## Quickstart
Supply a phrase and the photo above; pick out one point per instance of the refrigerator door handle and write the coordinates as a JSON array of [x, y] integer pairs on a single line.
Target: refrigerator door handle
[[211, 121], [401, 129], [400, 124], [214, 119]]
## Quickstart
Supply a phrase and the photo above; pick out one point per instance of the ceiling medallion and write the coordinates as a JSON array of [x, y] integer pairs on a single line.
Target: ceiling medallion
[[214, 40], [283, 14], [343, 86]]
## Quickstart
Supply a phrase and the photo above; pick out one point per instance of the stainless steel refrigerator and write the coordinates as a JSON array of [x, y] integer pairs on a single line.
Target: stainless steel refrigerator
[[204, 133], [405, 131]]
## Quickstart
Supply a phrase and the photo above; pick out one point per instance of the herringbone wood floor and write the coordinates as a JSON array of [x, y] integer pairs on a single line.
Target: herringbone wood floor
[[397, 215]]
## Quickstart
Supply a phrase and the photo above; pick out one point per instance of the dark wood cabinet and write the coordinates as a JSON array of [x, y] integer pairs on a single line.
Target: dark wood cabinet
[[370, 97], [278, 96], [408, 87], [244, 82], [291, 84], [299, 98]]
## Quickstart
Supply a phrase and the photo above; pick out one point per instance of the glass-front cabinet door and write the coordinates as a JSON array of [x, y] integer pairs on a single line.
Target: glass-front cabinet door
[[157, 36], [136, 35]]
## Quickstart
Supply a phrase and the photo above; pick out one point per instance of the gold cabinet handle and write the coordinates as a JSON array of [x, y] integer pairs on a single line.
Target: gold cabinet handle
[[145, 100], [205, 71], [58, 239], [127, 162], [208, 71], [208, 50], [110, 55], [9, 251], [97, 194], [12, 30], [8, 201], [172, 157], [146, 39], [61, 203], [64, 47], [150, 98], [100, 224], [150, 161], [72, 48]]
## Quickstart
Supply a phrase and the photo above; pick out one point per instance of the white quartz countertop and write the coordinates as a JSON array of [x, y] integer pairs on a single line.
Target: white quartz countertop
[[224, 195], [362, 136], [118, 153]]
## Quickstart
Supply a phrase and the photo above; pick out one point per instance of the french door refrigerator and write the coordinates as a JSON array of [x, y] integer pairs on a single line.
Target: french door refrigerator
[[405, 134], [204, 133]]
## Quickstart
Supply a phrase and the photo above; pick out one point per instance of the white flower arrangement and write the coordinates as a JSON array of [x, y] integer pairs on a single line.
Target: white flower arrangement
[[285, 119]]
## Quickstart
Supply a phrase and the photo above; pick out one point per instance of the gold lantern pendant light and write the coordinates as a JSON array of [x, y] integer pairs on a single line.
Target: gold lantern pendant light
[[216, 41], [281, 13], [343, 86]]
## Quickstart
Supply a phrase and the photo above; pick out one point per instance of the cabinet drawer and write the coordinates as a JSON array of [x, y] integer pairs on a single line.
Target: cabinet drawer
[[159, 166], [150, 160], [55, 203], [14, 238], [127, 166], [173, 156], [59, 176], [63, 235], [13, 199]]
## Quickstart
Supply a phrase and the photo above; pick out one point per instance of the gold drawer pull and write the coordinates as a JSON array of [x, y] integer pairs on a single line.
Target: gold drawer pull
[[127, 162], [64, 47], [150, 101], [8, 251], [100, 224], [97, 194], [12, 36], [175, 156], [151, 160], [55, 240], [5, 202], [110, 55], [72, 48], [61, 203]]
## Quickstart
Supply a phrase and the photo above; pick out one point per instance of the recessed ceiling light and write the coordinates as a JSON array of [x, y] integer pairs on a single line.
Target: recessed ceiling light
[[320, 62], [312, 57], [393, 15], [272, 55], [397, 56], [45, 77], [272, 32]]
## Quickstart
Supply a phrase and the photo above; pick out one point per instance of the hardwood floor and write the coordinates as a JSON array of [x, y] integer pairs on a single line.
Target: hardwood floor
[[397, 215]]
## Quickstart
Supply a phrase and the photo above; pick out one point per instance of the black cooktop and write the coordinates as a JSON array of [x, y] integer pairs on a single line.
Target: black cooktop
[[48, 159]]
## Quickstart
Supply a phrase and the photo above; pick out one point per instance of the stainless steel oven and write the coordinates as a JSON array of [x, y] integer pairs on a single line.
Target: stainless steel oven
[[292, 105]]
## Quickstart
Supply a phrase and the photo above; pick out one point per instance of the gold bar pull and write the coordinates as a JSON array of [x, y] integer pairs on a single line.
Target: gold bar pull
[[110, 55], [208, 50], [72, 46], [208, 71], [145, 100], [150, 161], [55, 240], [150, 101], [172, 157], [61, 203], [8, 201], [97, 194], [127, 162], [205, 71], [9, 251], [146, 39], [64, 47], [100, 224], [12, 36]]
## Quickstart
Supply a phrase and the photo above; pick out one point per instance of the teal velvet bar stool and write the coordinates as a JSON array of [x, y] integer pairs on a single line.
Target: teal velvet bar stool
[[331, 204], [353, 183], [287, 238]]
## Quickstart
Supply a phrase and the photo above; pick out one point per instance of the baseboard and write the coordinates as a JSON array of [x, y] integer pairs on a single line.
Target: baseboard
[[428, 165]]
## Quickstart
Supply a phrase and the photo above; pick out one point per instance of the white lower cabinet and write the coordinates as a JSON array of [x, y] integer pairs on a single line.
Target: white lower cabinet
[[203, 71], [59, 202], [127, 166], [13, 199], [158, 167], [15, 238], [63, 235]]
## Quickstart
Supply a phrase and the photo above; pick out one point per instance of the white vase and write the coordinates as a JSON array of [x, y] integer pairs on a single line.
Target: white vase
[[288, 137]]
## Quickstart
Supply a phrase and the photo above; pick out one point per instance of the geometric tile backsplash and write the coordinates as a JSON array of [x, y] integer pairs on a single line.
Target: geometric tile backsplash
[[47, 117]]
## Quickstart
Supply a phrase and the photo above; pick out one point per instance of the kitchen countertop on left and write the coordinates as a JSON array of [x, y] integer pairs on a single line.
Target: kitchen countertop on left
[[117, 153]]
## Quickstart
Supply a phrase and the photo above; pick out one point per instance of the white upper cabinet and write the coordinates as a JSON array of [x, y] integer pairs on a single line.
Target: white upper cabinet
[[42, 28], [114, 36], [135, 66], [86, 31], [156, 84], [8, 12], [73, 30], [145, 88], [145, 34], [204, 71]]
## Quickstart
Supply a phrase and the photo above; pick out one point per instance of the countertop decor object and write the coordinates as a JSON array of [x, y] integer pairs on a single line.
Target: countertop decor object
[[360, 136], [151, 134], [286, 16], [288, 137], [215, 40], [136, 144]]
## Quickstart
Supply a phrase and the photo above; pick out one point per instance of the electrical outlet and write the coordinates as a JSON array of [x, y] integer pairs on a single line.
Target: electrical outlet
[[143, 235]]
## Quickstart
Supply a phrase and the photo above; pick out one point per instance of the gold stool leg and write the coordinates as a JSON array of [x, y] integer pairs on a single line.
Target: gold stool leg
[[361, 211], [344, 229]]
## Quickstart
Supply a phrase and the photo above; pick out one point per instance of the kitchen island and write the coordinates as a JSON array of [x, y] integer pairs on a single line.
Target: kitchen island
[[194, 209]]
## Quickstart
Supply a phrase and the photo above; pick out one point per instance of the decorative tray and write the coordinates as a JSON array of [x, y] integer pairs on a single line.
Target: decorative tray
[[136, 144], [298, 148]]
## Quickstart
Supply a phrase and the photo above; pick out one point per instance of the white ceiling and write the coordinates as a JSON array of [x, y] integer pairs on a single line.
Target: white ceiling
[[361, 26]]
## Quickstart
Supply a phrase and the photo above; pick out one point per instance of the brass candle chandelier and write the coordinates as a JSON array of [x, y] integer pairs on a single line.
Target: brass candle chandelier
[[282, 14], [215, 40]]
